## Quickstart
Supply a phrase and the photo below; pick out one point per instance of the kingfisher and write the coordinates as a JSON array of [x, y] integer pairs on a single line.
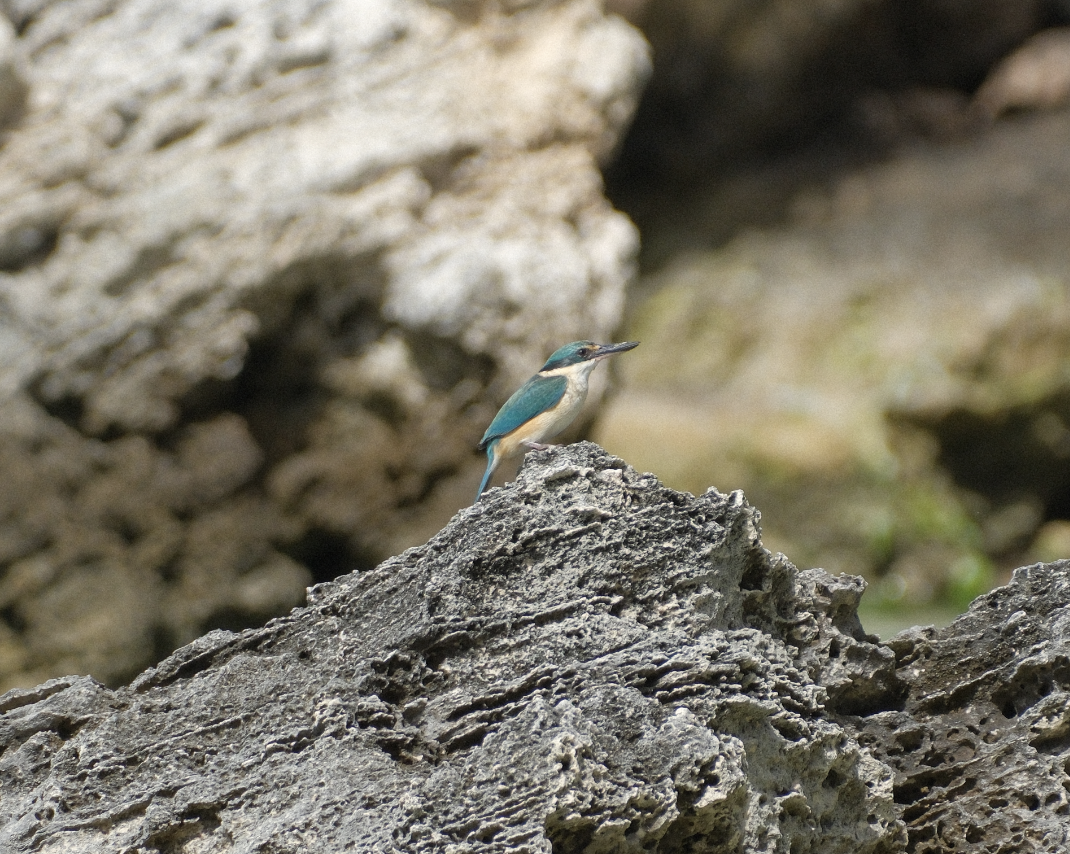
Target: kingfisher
[[544, 405]]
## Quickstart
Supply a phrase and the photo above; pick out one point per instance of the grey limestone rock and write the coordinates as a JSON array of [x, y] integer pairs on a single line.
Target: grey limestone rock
[[188, 172], [312, 241], [583, 661], [981, 746]]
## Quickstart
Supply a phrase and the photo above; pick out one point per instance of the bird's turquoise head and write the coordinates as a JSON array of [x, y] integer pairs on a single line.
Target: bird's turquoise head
[[584, 351]]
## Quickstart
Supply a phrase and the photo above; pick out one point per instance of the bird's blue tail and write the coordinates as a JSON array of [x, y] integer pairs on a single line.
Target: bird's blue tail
[[492, 463]]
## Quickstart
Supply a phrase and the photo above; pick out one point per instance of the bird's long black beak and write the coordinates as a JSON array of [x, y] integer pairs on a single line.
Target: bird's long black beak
[[609, 349]]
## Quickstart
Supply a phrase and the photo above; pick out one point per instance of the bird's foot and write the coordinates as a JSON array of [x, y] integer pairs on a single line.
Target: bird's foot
[[536, 446]]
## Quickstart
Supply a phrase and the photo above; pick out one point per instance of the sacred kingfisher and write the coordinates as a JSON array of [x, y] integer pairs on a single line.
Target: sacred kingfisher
[[546, 404]]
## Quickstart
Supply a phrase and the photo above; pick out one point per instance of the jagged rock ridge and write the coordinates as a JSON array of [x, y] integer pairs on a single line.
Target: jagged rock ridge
[[583, 661]]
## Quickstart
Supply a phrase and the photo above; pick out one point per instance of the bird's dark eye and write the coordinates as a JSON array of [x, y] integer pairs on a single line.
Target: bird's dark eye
[[584, 352]]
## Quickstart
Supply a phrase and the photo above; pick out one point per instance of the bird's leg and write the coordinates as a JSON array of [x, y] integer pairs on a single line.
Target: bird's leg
[[536, 446]]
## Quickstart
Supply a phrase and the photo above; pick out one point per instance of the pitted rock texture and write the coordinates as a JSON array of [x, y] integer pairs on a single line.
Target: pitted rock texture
[[344, 230], [583, 661], [981, 748]]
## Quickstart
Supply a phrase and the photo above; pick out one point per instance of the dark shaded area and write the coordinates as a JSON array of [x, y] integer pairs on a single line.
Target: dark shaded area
[[334, 313], [21, 14], [279, 391], [172, 522], [1020, 451], [725, 136], [327, 555], [444, 363], [26, 247], [1012, 454], [68, 408]]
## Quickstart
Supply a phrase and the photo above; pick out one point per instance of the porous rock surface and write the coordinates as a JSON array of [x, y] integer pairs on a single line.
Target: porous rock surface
[[981, 746], [583, 661], [264, 266]]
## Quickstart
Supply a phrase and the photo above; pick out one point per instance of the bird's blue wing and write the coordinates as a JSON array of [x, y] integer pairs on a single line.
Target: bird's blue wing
[[532, 398]]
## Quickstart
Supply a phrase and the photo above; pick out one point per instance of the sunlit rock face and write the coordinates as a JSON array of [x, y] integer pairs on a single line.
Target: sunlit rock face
[[583, 661], [265, 270]]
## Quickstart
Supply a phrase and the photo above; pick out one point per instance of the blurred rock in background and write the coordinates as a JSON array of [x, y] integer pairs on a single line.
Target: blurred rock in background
[[889, 374], [749, 103], [266, 270], [856, 291]]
